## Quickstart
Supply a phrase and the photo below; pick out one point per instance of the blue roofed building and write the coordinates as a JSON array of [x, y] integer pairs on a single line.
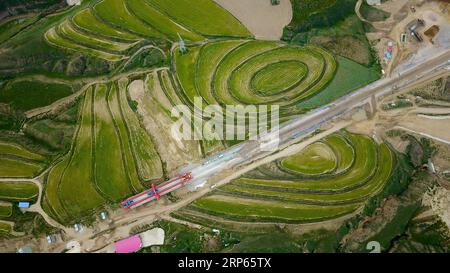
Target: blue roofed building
[[24, 205]]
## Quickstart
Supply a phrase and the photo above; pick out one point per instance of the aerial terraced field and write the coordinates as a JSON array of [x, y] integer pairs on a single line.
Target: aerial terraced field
[[249, 72], [18, 162], [111, 28], [107, 161], [350, 168], [18, 191]]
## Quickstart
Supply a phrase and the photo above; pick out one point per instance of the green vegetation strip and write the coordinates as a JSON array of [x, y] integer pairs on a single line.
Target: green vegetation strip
[[145, 11], [18, 191], [5, 210], [86, 20], [5, 227], [121, 127], [75, 189], [55, 39], [263, 210], [116, 13], [147, 159], [13, 149], [66, 30], [110, 175], [13, 168]]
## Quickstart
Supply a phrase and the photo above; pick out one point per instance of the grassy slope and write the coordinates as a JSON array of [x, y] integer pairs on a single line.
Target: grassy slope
[[349, 76], [26, 95]]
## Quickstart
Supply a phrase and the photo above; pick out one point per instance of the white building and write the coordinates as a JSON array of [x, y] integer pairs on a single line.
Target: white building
[[73, 2], [373, 2]]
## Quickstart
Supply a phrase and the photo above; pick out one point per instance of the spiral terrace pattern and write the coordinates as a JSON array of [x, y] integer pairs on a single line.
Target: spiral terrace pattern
[[246, 72], [298, 189]]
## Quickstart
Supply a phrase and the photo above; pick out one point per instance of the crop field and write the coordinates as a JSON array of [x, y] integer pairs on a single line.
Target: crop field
[[317, 158], [326, 180], [26, 95], [349, 76], [67, 30], [5, 227], [111, 28], [18, 191], [12, 149], [117, 13], [253, 72], [5, 210], [18, 162], [86, 21], [15, 168], [11, 27], [110, 157], [203, 16], [152, 16]]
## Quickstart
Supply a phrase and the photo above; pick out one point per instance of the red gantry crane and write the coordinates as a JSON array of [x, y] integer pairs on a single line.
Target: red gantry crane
[[156, 191]]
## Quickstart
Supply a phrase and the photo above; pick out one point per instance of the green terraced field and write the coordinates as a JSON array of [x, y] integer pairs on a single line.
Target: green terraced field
[[112, 182], [111, 27], [236, 208], [149, 14], [317, 158], [110, 157], [145, 155], [116, 13], [5, 211], [87, 21], [16, 168], [277, 77], [18, 191], [250, 72], [12, 149], [349, 169], [5, 227], [203, 16], [55, 39], [66, 30]]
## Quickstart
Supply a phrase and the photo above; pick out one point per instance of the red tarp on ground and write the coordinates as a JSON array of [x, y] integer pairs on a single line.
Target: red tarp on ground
[[129, 245]]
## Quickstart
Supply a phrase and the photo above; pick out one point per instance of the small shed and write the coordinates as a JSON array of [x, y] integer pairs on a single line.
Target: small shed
[[129, 245], [103, 215], [373, 2], [51, 239], [78, 228], [25, 249], [24, 205]]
